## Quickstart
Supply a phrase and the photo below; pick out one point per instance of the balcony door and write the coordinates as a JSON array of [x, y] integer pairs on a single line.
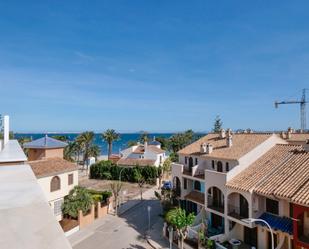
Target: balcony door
[[190, 164], [217, 197], [243, 207], [250, 236]]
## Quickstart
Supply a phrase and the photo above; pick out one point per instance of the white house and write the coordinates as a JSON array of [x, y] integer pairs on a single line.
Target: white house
[[143, 154], [56, 176]]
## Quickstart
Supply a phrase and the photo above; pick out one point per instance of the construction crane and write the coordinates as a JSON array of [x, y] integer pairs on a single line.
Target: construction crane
[[302, 103]]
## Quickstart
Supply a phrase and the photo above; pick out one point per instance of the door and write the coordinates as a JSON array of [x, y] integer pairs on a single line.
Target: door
[[216, 221], [250, 236], [190, 164], [217, 201], [243, 207]]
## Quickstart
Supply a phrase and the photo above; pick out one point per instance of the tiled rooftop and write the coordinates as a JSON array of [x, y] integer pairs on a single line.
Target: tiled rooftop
[[45, 143], [51, 166], [251, 176], [242, 144]]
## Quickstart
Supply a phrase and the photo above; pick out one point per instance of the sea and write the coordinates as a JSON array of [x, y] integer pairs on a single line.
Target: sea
[[119, 145]]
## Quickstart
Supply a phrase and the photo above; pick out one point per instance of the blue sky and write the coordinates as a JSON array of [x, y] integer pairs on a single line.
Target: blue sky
[[152, 65]]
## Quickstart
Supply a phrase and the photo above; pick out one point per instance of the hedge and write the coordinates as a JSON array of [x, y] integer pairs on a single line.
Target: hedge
[[107, 170], [101, 196]]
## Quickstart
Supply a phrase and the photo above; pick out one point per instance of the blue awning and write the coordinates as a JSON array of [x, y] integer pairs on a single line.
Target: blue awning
[[283, 224]]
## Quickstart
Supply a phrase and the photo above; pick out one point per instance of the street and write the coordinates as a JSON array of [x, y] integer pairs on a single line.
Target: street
[[124, 232]]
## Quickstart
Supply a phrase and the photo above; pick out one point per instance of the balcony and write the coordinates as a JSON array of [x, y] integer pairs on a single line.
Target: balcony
[[196, 197], [195, 171], [238, 212], [215, 204]]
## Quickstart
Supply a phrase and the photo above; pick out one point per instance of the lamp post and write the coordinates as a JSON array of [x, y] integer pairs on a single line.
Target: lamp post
[[252, 220], [119, 186], [148, 209], [170, 234]]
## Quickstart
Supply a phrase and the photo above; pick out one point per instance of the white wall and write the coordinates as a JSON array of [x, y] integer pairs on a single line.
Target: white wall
[[44, 183]]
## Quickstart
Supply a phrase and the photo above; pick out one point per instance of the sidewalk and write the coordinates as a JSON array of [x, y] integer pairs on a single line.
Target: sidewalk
[[147, 195]]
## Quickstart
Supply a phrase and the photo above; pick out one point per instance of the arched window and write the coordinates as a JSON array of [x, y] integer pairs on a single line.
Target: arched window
[[219, 166], [197, 185], [55, 184]]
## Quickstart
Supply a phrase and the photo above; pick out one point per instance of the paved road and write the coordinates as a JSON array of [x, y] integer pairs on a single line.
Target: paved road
[[122, 232]]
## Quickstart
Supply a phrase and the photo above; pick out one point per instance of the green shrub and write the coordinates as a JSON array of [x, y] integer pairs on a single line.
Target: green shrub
[[104, 195], [107, 170], [96, 198]]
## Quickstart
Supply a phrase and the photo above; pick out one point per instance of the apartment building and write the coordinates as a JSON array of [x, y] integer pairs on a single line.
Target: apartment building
[[223, 173], [27, 220]]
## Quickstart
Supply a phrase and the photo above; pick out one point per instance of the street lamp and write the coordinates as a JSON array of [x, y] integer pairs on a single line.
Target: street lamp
[[119, 186], [148, 209], [252, 220], [170, 235]]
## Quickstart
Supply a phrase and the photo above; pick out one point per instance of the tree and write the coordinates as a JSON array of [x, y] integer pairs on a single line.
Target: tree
[[85, 140], [144, 137], [131, 143], [70, 151], [110, 136], [78, 199], [181, 221], [217, 124], [162, 170], [62, 138], [180, 140], [116, 187], [163, 141], [140, 179]]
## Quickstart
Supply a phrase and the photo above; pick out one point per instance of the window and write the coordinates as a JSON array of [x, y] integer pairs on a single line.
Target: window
[[213, 164], [185, 183], [186, 160], [219, 167], [227, 167], [197, 185], [196, 161], [70, 179], [57, 207], [55, 184], [291, 210], [272, 206]]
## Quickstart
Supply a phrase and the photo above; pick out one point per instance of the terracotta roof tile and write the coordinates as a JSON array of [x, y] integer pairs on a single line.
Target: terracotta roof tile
[[155, 149], [251, 176], [242, 144], [51, 166]]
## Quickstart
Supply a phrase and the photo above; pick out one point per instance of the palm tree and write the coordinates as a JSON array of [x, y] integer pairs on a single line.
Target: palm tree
[[110, 136], [85, 140]]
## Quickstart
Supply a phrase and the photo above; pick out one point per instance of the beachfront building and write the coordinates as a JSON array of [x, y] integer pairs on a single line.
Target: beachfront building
[[147, 154], [56, 176], [253, 175], [27, 220]]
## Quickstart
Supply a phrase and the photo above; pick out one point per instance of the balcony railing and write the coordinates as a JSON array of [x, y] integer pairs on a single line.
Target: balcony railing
[[215, 204], [238, 212], [195, 171]]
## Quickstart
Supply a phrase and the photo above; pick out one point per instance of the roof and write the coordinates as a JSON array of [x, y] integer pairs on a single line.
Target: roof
[[242, 144], [12, 152], [288, 178], [51, 166], [251, 176], [154, 142], [196, 196], [297, 137], [139, 149], [45, 143], [283, 224], [135, 162], [155, 149], [22, 206]]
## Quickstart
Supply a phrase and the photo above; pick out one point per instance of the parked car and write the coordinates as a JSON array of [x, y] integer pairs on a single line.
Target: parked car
[[167, 185]]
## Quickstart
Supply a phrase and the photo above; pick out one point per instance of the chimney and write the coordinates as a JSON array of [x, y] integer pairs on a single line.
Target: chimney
[[229, 132], [229, 141], [222, 133], [206, 148], [289, 133], [6, 129], [306, 146]]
